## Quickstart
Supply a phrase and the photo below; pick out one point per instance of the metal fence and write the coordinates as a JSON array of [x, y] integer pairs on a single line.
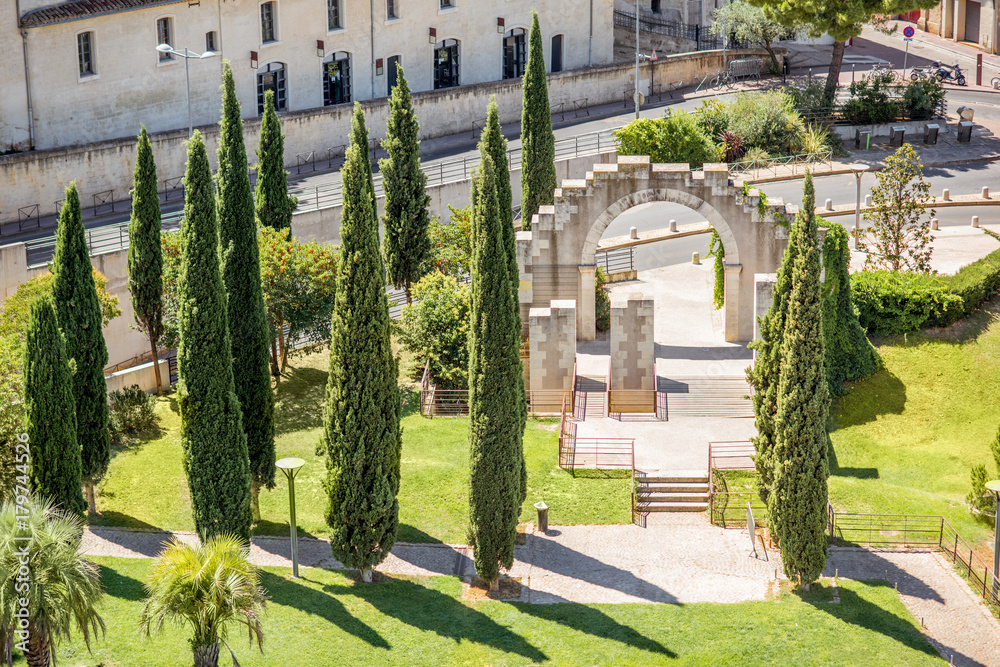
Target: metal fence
[[699, 34], [616, 260]]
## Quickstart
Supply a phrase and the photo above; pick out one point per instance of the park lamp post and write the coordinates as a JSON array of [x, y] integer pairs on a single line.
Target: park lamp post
[[994, 487], [859, 171], [290, 467], [186, 55]]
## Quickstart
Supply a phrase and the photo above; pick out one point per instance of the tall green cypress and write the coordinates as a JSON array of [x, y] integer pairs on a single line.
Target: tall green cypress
[[849, 353], [797, 504], [361, 416], [79, 312], [215, 446], [538, 144], [274, 206], [248, 330], [496, 488], [406, 246], [55, 471], [145, 256], [492, 143], [764, 373]]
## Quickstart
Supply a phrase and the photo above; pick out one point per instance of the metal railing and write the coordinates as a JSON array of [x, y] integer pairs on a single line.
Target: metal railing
[[725, 507], [774, 164], [616, 260], [690, 31]]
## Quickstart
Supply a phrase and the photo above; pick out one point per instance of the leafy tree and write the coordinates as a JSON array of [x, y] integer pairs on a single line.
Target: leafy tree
[[15, 311], [538, 144], [981, 500], [747, 23], [496, 424], [361, 416], [849, 354], [676, 137], [145, 258], [62, 588], [435, 328], [842, 21], [274, 206], [50, 412], [249, 338], [602, 301], [797, 502], [209, 587], [406, 246], [215, 445], [899, 224], [764, 374], [79, 310], [451, 243]]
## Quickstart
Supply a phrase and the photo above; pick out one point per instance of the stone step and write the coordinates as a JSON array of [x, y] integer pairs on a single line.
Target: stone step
[[678, 478], [672, 487], [672, 497], [671, 507]]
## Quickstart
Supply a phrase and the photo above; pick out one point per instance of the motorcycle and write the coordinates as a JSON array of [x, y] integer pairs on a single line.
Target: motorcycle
[[948, 73], [921, 72]]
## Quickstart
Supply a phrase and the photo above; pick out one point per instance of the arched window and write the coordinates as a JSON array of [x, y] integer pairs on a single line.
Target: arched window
[[272, 77], [446, 64], [514, 53], [557, 53], [337, 79]]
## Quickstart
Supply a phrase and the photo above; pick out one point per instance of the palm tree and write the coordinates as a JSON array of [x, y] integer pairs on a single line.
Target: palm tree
[[209, 587], [63, 586]]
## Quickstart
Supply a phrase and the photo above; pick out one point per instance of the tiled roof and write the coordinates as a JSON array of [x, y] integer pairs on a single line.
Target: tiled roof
[[76, 10]]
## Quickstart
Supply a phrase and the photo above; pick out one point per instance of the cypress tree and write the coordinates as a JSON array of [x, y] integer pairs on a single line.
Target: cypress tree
[[764, 373], [248, 331], [274, 206], [849, 353], [496, 488], [56, 465], [538, 144], [215, 446], [145, 256], [79, 311], [406, 245], [361, 416], [797, 509]]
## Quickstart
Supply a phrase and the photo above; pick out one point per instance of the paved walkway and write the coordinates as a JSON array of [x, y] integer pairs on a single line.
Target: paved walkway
[[955, 620]]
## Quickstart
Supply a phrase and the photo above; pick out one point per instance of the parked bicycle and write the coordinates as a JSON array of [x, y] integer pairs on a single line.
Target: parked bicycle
[[724, 79], [995, 82]]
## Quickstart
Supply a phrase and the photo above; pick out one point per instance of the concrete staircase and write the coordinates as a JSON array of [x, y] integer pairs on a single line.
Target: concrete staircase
[[591, 397], [706, 396], [675, 491]]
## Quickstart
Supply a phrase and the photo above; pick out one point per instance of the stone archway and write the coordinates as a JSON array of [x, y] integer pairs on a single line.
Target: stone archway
[[556, 258]]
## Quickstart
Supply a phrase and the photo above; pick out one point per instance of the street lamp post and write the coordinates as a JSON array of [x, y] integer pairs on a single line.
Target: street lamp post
[[187, 55], [859, 171], [637, 96], [290, 467], [994, 486]]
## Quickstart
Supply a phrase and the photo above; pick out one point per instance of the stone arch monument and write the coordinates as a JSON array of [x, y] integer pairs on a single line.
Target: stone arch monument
[[556, 258]]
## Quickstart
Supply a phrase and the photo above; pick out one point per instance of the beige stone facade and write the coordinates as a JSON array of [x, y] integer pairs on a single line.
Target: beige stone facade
[[96, 76], [966, 21]]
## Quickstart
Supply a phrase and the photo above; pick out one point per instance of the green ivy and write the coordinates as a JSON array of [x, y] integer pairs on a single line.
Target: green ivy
[[602, 308], [717, 250]]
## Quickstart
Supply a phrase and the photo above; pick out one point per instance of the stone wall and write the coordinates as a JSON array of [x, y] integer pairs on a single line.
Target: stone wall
[[552, 344], [632, 346]]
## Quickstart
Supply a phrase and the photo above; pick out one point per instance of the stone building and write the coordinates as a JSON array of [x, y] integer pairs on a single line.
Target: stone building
[[86, 71], [971, 21]]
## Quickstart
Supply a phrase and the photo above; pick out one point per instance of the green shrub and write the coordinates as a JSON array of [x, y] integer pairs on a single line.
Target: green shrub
[[131, 410], [766, 120], [809, 98], [871, 101], [674, 138], [973, 284], [922, 97], [712, 118], [896, 303], [815, 139], [602, 306]]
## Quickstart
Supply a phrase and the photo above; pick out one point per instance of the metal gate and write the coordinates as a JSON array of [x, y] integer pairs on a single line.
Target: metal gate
[[971, 21]]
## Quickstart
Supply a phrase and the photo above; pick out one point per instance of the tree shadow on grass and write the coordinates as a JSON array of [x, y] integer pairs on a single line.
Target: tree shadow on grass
[[881, 394], [299, 400], [319, 603], [591, 621], [121, 586], [429, 610], [114, 519], [408, 533]]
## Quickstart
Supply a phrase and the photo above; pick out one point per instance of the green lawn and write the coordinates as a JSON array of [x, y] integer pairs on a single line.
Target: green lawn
[[328, 619], [145, 486], [905, 439]]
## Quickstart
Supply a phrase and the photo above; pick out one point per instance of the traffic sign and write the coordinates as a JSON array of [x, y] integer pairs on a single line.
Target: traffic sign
[[908, 31], [907, 39]]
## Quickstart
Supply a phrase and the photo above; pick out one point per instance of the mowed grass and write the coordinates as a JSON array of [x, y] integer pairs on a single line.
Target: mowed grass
[[326, 618], [905, 439], [146, 487]]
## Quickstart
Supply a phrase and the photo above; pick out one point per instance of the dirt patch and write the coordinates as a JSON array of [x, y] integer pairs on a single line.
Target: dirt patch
[[474, 588]]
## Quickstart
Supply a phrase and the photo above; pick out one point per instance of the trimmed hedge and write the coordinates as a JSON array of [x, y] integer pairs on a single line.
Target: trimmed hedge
[[896, 303]]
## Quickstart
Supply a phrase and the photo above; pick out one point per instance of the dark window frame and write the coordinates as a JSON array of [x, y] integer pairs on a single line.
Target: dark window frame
[[85, 54], [390, 10], [337, 87], [333, 18], [268, 22], [391, 80], [447, 64], [164, 28], [556, 54], [277, 82], [210, 41], [515, 53]]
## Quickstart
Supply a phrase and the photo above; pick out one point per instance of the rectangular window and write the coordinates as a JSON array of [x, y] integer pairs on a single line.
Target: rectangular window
[[337, 79], [333, 15], [446, 64], [85, 53], [654, 6], [390, 9], [557, 53], [165, 35], [210, 41], [272, 78], [267, 23], [391, 72], [446, 4]]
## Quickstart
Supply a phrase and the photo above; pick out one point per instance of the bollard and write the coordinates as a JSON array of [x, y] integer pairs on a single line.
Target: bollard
[[986, 192], [975, 221], [934, 224], [946, 195], [633, 233], [695, 258], [868, 201], [543, 516], [673, 225], [829, 205]]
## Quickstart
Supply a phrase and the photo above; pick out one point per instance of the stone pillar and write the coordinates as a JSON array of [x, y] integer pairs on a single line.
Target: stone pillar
[[633, 381], [585, 313], [763, 293], [737, 323], [552, 345]]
